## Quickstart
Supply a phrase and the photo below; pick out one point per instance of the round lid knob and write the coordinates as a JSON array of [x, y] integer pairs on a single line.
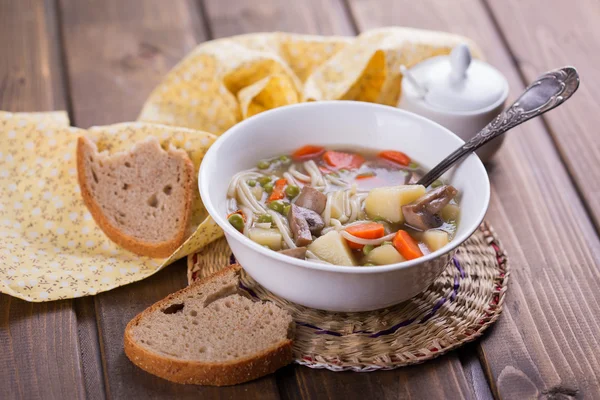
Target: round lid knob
[[456, 82]]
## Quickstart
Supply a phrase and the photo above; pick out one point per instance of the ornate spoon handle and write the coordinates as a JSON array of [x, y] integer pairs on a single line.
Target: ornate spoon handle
[[547, 92]]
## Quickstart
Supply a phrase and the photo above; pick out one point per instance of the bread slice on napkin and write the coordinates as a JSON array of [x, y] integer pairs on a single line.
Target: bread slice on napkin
[[140, 198], [208, 334]]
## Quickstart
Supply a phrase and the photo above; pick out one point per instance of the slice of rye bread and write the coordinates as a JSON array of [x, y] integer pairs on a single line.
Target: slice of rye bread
[[209, 334], [141, 198]]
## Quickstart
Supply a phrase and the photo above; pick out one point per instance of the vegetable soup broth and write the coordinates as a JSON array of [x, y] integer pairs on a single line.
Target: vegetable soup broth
[[346, 193]]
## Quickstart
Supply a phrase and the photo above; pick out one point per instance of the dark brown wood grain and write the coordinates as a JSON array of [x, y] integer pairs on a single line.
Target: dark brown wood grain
[[546, 341], [39, 349], [116, 52], [545, 35]]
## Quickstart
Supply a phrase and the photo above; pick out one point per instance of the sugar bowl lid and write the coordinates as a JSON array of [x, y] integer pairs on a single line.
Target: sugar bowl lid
[[455, 83]]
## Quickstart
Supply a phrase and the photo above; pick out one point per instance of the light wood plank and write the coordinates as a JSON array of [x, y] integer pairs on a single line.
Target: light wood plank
[[544, 35], [544, 343], [116, 53], [430, 380], [39, 348], [235, 17]]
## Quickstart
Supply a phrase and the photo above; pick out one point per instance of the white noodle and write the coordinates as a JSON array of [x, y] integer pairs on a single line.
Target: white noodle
[[263, 225], [358, 240], [327, 211], [232, 204], [283, 229], [291, 180], [354, 208], [247, 198], [316, 177], [249, 219], [248, 174], [346, 203], [298, 175], [336, 181]]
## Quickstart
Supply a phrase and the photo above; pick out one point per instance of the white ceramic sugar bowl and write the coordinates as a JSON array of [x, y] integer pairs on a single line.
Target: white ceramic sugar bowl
[[457, 92]]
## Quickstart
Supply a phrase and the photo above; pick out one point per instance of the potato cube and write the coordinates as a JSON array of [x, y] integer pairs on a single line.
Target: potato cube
[[450, 213], [383, 255], [435, 239], [266, 237], [387, 202], [333, 248]]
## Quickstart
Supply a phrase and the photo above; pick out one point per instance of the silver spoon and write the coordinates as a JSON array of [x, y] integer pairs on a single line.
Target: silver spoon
[[547, 92]]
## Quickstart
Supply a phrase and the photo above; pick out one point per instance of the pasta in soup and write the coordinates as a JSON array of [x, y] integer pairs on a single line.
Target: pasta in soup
[[343, 207]]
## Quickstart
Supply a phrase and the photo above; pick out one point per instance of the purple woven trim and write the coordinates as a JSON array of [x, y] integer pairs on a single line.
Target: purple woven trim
[[392, 329], [458, 267]]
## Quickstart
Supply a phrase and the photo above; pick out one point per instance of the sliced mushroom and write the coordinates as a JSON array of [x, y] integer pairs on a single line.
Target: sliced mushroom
[[298, 252], [314, 220], [299, 227], [312, 199], [423, 214]]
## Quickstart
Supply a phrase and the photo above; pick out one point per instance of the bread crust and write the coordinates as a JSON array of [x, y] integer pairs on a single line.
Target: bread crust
[[155, 250], [204, 373]]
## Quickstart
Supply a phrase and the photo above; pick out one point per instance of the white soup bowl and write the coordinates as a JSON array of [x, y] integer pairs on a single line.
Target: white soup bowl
[[339, 124]]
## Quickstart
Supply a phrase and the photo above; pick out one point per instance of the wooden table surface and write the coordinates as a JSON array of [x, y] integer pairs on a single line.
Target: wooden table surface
[[99, 59]]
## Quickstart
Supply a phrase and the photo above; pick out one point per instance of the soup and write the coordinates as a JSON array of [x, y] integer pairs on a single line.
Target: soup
[[343, 207]]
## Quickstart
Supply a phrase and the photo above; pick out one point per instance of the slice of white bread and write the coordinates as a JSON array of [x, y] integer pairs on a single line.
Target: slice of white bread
[[142, 198], [209, 334]]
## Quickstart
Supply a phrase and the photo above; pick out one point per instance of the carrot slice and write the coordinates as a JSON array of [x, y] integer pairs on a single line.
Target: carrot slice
[[365, 175], [395, 156], [406, 245], [278, 190], [368, 230], [307, 152], [338, 159]]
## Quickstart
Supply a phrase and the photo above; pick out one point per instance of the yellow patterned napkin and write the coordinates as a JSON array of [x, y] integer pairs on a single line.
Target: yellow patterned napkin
[[224, 81], [51, 248]]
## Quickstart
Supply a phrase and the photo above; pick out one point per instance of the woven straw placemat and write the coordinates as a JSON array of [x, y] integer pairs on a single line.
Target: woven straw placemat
[[455, 309]]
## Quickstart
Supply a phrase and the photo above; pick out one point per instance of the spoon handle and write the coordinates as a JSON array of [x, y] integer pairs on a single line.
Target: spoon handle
[[547, 92]]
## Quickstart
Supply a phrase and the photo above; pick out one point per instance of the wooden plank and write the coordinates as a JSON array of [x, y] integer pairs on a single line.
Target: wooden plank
[[430, 380], [233, 17], [39, 348], [116, 53], [546, 342], [544, 36], [440, 378]]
